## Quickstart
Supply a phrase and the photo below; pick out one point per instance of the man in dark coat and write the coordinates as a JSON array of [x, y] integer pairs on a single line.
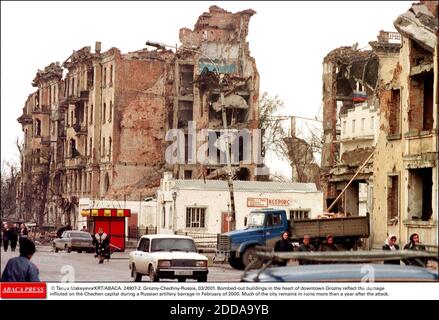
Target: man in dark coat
[[415, 244], [13, 236], [102, 241], [5, 236], [283, 245], [305, 247], [20, 269]]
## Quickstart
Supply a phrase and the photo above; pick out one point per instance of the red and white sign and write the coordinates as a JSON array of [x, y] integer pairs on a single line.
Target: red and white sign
[[23, 290], [265, 202]]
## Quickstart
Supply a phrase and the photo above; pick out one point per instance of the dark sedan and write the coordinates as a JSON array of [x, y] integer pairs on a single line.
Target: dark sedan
[[74, 241]]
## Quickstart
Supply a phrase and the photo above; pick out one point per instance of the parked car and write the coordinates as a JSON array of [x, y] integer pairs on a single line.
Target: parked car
[[74, 241], [167, 257], [343, 273]]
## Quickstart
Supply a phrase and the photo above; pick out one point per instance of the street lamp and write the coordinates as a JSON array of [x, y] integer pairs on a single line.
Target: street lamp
[[224, 116], [174, 212]]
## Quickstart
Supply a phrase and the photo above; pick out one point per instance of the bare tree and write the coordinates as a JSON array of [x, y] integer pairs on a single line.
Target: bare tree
[[9, 178]]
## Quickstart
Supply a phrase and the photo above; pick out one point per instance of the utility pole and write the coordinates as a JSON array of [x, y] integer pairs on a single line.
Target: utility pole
[[232, 215]]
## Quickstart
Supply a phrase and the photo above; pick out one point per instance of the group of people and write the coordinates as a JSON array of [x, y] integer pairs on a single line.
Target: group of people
[[285, 245], [414, 244], [10, 235]]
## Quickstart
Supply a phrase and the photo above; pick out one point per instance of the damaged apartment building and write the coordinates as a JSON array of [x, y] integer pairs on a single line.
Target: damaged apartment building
[[96, 125], [381, 129]]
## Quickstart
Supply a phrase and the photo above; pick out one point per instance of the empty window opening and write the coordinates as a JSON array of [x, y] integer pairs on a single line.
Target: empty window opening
[[185, 114], [73, 152], [186, 79], [187, 174], [420, 113], [111, 75], [110, 142], [420, 194], [37, 127], [103, 148], [111, 111], [104, 112], [395, 112], [91, 114], [392, 198]]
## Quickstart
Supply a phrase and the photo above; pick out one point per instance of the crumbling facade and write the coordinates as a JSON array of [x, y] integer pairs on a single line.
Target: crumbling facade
[[216, 48], [406, 158], [350, 120], [381, 116], [99, 130]]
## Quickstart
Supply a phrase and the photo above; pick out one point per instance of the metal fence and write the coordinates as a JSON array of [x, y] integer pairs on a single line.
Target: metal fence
[[137, 232], [206, 242]]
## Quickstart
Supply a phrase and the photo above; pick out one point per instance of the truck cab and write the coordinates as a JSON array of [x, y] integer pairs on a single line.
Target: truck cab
[[263, 228]]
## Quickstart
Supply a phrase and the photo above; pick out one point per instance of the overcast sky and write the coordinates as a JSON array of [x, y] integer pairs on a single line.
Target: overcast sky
[[288, 40]]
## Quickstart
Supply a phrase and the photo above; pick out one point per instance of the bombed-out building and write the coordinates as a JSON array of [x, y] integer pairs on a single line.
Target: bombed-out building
[[381, 129], [97, 125]]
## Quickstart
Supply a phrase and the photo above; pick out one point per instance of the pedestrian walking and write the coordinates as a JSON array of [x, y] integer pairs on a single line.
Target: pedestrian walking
[[5, 237], [13, 236], [21, 269]]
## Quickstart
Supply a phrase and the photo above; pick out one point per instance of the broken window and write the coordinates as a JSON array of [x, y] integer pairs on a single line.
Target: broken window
[[395, 112], [74, 153], [111, 111], [185, 114], [420, 194], [91, 114], [37, 127], [90, 78], [392, 198], [186, 79], [71, 118], [420, 113], [91, 147]]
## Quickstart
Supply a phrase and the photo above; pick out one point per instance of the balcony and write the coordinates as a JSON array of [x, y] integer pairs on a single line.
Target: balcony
[[77, 162], [45, 109]]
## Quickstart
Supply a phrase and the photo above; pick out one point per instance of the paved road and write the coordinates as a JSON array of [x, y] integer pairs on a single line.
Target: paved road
[[83, 267]]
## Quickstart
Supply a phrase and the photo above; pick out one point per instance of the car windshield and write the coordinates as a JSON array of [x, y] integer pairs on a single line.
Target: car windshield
[[171, 244], [256, 219], [81, 235]]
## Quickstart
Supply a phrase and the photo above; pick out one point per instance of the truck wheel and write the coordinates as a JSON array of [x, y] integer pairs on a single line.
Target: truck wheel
[[248, 258], [236, 263]]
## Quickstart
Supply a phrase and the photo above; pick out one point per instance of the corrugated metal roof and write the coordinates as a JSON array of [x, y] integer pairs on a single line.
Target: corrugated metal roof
[[261, 186]]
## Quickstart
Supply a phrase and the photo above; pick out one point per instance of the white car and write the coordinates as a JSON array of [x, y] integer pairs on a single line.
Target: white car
[[167, 256]]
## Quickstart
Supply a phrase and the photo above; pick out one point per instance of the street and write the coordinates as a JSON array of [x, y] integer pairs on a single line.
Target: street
[[83, 267]]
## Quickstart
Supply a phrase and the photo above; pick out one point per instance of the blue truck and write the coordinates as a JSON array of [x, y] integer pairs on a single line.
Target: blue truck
[[265, 226]]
